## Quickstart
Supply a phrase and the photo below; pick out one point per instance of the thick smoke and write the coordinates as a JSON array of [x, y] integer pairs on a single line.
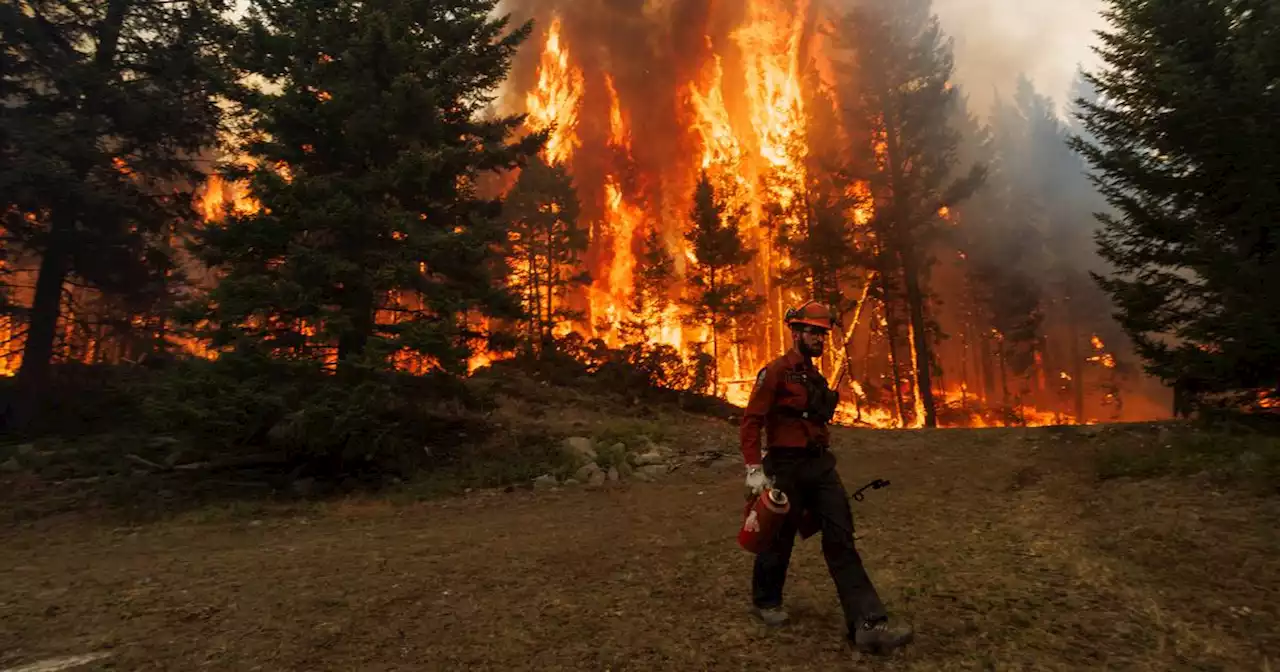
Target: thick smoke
[[997, 41]]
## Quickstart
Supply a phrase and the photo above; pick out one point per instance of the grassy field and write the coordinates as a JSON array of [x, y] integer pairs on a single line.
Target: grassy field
[[1006, 548]]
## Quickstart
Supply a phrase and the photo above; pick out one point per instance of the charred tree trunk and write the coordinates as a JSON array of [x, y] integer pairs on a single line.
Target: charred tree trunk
[[924, 358], [892, 328], [42, 325]]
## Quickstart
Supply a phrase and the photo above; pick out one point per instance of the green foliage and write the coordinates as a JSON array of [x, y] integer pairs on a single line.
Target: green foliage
[[370, 141], [1182, 144], [107, 106], [1247, 458], [333, 425], [545, 247]]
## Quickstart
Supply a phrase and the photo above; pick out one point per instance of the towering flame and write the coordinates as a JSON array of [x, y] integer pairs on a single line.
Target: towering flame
[[554, 102]]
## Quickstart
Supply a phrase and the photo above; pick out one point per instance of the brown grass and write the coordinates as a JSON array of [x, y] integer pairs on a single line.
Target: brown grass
[[1000, 545]]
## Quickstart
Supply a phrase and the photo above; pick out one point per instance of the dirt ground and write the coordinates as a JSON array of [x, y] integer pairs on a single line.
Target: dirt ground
[[999, 545]]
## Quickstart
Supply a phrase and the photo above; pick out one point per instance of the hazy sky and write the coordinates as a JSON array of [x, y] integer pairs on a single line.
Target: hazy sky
[[995, 40]]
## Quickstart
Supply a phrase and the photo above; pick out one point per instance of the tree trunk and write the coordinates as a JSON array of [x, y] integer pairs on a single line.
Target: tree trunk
[[42, 326], [1077, 360], [892, 327], [984, 362], [915, 304], [360, 311], [1004, 377]]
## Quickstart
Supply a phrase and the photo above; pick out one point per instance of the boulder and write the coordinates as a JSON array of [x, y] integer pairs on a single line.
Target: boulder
[[652, 457], [586, 472], [613, 474], [580, 448], [651, 471], [597, 479], [11, 466], [545, 482]]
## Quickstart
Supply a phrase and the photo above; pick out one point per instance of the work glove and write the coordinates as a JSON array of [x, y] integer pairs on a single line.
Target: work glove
[[757, 481]]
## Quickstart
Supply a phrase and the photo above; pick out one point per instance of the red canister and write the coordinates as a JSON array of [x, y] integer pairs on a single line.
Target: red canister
[[761, 519]]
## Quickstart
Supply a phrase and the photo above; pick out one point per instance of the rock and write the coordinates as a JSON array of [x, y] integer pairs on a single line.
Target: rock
[[597, 479], [26, 449], [572, 482], [613, 474], [544, 482], [652, 470], [586, 472], [642, 477], [580, 447], [624, 469], [652, 457], [11, 466]]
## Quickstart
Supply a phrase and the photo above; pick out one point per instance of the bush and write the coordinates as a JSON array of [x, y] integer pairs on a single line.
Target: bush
[[327, 424]]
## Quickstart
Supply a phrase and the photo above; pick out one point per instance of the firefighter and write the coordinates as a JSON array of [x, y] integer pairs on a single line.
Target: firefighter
[[791, 405]]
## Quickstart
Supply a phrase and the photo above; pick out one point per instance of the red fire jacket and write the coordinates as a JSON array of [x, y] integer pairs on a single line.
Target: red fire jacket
[[777, 400]]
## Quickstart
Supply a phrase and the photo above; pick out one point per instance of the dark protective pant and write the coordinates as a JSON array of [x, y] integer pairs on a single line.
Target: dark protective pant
[[809, 479]]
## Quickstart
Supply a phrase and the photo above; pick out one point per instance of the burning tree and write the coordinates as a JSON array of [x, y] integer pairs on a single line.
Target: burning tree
[[372, 240], [718, 298], [897, 89], [546, 247], [1183, 148], [651, 299], [106, 105]]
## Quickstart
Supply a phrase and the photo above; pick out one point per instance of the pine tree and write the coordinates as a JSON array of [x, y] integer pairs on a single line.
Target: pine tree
[[654, 277], [897, 83], [373, 238], [1184, 153], [720, 296], [546, 244], [107, 104]]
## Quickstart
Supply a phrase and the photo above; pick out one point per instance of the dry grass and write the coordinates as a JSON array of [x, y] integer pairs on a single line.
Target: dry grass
[[1000, 545]]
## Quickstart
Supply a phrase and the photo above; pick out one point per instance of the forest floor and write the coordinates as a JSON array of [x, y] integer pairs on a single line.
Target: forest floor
[[1002, 546]]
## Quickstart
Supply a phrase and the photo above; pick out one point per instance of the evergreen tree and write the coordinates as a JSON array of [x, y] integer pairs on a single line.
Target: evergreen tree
[[720, 295], [897, 84], [546, 246], [106, 105], [654, 277], [1184, 146], [369, 143]]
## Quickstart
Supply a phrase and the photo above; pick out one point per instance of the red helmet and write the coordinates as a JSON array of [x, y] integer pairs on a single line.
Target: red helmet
[[812, 313]]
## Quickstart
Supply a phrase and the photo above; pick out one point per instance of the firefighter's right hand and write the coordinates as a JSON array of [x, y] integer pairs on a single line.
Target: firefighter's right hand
[[757, 481]]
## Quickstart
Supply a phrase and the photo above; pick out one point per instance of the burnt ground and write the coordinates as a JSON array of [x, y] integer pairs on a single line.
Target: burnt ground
[[1001, 546]]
